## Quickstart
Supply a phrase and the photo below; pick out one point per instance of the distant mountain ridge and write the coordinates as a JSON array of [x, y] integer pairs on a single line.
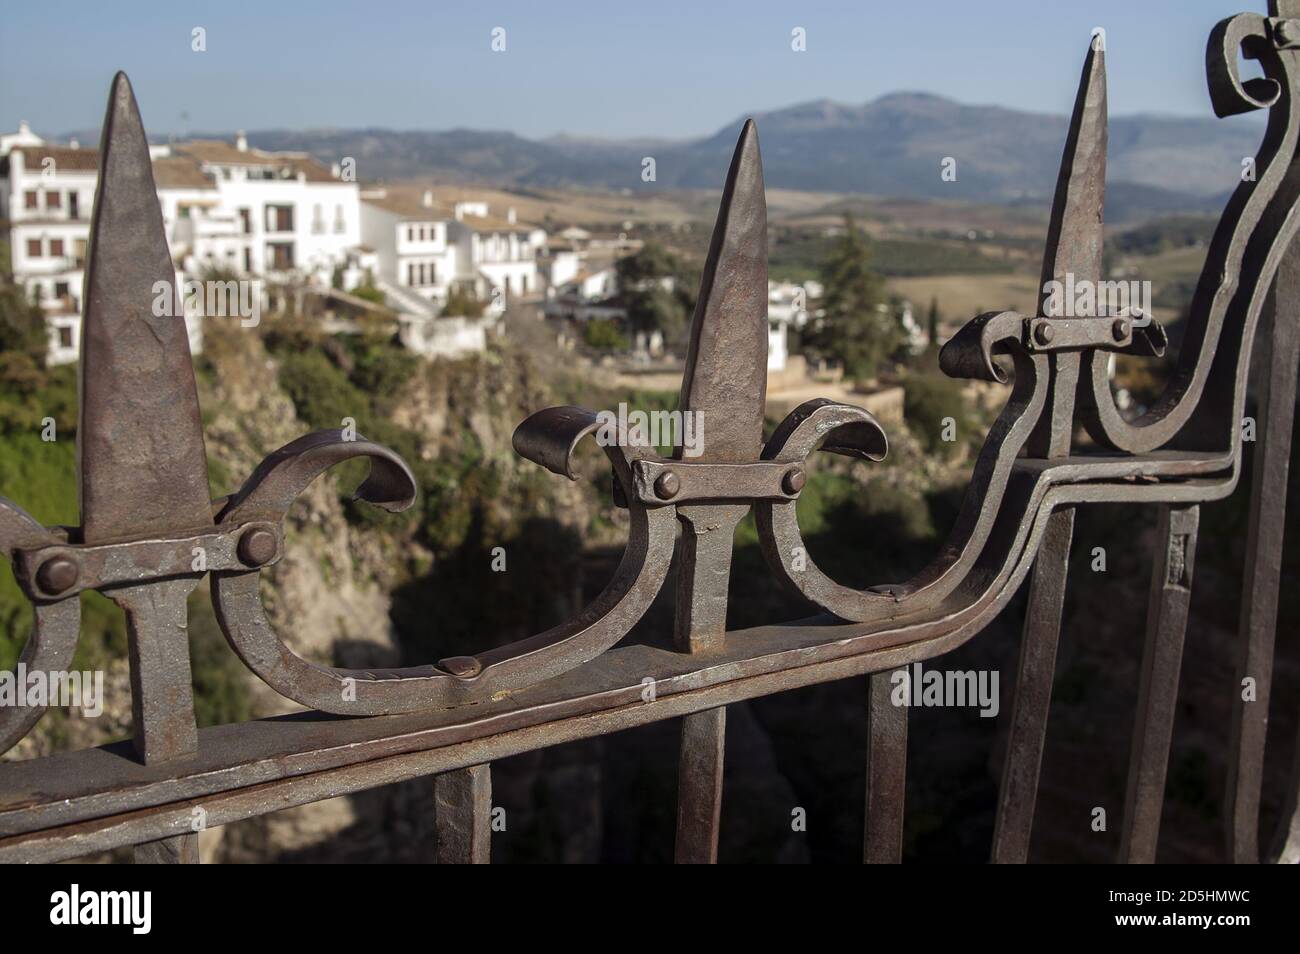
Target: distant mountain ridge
[[891, 146]]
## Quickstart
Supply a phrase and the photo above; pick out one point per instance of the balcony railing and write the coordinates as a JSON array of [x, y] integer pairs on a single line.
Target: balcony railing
[[450, 719]]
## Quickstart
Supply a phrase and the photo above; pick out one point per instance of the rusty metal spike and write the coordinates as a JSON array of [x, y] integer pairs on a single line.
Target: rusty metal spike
[[725, 381], [1074, 234], [139, 437], [1073, 248]]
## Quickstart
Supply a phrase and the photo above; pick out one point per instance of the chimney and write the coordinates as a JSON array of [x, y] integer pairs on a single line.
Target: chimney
[[427, 199], [510, 215], [74, 144], [241, 141], [23, 128]]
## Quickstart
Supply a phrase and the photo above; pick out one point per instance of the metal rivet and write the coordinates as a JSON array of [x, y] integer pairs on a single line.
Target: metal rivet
[[1120, 328], [57, 574], [463, 667], [257, 547], [666, 485], [1044, 333], [794, 480]]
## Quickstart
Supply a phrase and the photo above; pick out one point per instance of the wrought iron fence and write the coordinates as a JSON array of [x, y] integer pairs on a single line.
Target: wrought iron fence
[[145, 511]]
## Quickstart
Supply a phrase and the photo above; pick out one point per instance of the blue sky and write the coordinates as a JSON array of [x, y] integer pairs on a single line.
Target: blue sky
[[615, 69]]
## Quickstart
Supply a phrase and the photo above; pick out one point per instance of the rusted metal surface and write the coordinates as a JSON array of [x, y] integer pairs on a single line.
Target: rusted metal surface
[[1035, 672], [1252, 685], [886, 773], [463, 815], [699, 787], [144, 507], [1074, 250], [1162, 658]]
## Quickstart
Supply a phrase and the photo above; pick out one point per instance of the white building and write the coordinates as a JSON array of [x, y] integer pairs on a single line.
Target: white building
[[281, 216], [287, 216], [426, 248], [409, 239], [787, 304], [46, 195]]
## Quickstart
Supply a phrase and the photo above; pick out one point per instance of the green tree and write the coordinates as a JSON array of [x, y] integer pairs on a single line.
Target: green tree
[[852, 329], [650, 262], [602, 334], [932, 323], [651, 306]]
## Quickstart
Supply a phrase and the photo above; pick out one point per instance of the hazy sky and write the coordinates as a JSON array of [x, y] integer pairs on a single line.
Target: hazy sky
[[617, 69]]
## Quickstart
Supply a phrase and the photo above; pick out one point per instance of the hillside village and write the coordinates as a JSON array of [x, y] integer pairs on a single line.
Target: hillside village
[[445, 269]]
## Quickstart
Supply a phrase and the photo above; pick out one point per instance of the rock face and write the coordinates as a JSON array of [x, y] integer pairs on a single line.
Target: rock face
[[328, 596]]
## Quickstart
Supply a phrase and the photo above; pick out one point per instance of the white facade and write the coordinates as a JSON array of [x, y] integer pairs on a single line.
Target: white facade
[[276, 215], [409, 241], [292, 220], [445, 337], [428, 249]]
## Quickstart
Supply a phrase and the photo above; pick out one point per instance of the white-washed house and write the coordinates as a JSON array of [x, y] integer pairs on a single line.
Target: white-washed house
[[408, 236]]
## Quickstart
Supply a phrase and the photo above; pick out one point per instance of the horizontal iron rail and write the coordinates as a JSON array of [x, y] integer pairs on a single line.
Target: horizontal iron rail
[[70, 804]]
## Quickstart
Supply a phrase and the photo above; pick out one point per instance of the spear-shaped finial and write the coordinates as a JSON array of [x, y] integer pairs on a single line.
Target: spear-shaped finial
[[725, 381], [139, 437]]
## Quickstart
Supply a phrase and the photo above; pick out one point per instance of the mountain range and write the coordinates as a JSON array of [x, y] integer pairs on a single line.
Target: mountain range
[[892, 146]]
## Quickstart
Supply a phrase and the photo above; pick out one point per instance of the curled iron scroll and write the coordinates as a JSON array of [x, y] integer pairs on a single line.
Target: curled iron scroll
[[969, 354], [1256, 226], [284, 474]]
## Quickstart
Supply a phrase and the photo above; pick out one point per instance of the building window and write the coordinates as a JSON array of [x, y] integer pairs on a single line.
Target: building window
[[33, 248], [248, 259], [317, 219], [56, 248], [279, 218], [281, 255], [65, 336], [410, 274], [53, 200], [246, 221], [31, 199], [410, 234], [74, 207], [340, 223], [60, 289]]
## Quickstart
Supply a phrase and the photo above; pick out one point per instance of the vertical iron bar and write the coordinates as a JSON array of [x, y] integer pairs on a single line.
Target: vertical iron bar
[[1162, 658], [1074, 253], [1033, 699], [463, 815], [704, 552], [177, 850], [1272, 458], [886, 772], [699, 787], [162, 696]]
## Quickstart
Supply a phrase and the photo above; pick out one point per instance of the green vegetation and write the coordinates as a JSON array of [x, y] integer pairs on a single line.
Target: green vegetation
[[797, 256], [461, 303], [1163, 235], [602, 334], [853, 329], [658, 290], [40, 475]]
